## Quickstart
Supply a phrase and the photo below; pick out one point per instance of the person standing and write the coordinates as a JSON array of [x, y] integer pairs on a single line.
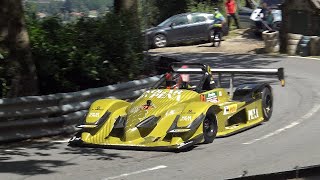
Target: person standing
[[218, 21], [231, 9]]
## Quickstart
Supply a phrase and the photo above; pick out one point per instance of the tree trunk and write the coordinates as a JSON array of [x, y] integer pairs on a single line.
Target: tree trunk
[[21, 67], [125, 5]]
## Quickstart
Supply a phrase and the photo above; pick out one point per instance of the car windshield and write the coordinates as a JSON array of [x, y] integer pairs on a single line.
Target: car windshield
[[184, 76], [179, 81]]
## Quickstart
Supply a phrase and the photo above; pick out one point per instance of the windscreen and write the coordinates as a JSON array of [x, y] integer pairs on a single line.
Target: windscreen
[[180, 81]]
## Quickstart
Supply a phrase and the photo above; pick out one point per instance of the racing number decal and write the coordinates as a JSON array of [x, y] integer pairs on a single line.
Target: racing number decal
[[253, 114]]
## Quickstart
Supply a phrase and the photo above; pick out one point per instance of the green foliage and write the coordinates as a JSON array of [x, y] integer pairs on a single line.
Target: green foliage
[[56, 7], [153, 12], [205, 6], [4, 85], [85, 54], [4, 75]]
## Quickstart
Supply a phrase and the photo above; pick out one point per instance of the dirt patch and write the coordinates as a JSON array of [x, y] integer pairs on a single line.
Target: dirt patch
[[240, 41]]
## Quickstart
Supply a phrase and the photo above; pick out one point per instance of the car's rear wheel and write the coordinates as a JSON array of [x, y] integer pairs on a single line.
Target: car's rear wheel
[[215, 39], [210, 129], [160, 41], [211, 35], [267, 103]]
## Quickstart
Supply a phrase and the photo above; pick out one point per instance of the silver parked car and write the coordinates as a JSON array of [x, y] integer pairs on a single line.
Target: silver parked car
[[181, 28]]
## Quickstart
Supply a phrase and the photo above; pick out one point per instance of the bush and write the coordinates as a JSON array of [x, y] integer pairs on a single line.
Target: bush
[[87, 53], [206, 6]]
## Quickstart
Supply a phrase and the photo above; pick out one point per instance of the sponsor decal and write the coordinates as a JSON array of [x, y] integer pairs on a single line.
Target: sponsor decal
[[253, 114], [148, 105], [170, 112], [186, 118], [74, 138], [134, 109], [98, 108], [191, 112], [160, 94], [94, 114], [230, 109], [212, 97]]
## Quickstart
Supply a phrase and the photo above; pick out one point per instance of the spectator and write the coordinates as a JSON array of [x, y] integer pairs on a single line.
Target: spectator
[[266, 16], [217, 24], [231, 9], [264, 11]]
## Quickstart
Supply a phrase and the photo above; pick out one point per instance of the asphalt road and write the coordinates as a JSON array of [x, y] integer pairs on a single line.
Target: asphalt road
[[290, 139]]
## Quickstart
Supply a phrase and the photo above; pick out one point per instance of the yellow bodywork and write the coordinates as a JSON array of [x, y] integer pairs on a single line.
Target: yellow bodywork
[[172, 107]]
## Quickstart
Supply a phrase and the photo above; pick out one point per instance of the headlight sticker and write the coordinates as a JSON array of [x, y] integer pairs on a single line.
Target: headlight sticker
[[230, 109]]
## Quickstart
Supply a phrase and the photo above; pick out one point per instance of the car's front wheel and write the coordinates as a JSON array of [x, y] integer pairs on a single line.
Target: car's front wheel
[[210, 129], [160, 41], [267, 103]]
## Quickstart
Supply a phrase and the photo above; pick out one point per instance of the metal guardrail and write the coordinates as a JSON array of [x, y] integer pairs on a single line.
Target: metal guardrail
[[38, 116]]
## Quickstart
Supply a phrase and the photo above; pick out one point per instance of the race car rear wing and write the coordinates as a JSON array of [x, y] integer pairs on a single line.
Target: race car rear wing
[[276, 72], [191, 68]]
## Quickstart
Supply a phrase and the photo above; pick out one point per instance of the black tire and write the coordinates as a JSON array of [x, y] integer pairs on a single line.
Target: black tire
[[267, 103], [211, 34], [216, 40], [210, 128], [160, 41]]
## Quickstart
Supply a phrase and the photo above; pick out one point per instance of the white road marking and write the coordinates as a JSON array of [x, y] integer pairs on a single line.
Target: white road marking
[[61, 141], [136, 172], [293, 124], [313, 58]]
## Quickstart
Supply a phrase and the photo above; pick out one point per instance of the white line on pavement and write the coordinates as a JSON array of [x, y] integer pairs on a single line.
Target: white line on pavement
[[136, 172], [61, 141], [293, 124], [318, 59]]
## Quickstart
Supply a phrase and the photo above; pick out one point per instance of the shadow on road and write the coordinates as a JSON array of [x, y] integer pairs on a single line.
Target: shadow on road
[[32, 167], [43, 157]]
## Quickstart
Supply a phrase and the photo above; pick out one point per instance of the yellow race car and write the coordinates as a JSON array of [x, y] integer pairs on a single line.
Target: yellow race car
[[185, 107]]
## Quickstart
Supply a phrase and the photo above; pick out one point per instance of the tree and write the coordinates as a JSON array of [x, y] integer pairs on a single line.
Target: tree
[[20, 67], [125, 5]]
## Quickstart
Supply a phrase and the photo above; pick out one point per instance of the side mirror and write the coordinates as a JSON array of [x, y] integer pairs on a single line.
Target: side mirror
[[172, 24]]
